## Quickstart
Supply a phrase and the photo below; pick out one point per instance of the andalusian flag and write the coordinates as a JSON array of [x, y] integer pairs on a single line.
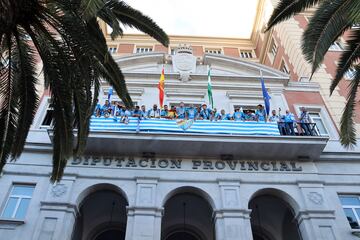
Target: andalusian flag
[[211, 101], [161, 87]]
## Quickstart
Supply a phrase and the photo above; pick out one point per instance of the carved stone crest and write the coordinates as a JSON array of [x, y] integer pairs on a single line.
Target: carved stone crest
[[184, 62], [315, 197], [58, 190]]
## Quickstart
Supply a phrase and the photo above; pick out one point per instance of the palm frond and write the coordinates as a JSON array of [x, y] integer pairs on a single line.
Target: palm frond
[[90, 8], [349, 57], [135, 19], [347, 125], [107, 67], [28, 98], [8, 107], [107, 15], [330, 21], [58, 73], [288, 8]]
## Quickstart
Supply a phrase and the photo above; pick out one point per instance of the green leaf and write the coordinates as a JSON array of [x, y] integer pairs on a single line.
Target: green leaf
[[26, 87], [347, 125], [90, 8], [9, 102], [133, 18], [330, 21], [349, 57], [288, 8]]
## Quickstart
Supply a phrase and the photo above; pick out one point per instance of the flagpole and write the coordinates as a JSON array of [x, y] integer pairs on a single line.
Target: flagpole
[[211, 100]]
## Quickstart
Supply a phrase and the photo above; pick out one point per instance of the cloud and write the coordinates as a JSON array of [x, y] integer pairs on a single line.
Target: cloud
[[227, 18]]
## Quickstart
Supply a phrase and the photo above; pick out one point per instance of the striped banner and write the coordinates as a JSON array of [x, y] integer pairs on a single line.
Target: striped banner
[[199, 126]]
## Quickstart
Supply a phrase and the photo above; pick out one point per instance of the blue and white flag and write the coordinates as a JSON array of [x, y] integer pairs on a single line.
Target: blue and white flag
[[110, 93], [266, 96]]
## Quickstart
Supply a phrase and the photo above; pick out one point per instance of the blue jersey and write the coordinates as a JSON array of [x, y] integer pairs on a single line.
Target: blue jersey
[[106, 109], [164, 113], [137, 112], [260, 115], [180, 112], [127, 113], [205, 113], [289, 117], [97, 108], [238, 116], [191, 113], [249, 116], [220, 116]]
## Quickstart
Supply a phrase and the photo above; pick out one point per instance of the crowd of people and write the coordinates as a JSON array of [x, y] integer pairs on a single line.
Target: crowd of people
[[286, 122]]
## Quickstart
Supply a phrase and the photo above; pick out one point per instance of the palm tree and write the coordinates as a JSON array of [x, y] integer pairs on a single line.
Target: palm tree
[[66, 35], [330, 20]]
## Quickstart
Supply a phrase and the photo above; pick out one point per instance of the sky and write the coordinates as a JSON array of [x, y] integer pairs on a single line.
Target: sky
[[214, 18]]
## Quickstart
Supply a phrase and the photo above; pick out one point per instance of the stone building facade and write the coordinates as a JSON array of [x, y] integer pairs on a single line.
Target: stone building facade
[[161, 185]]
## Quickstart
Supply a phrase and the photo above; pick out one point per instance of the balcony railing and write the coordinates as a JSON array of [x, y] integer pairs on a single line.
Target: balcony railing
[[165, 137], [227, 127]]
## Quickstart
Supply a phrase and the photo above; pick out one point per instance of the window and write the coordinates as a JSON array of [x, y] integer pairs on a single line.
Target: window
[[213, 51], [246, 54], [320, 126], [284, 68], [112, 49], [350, 74], [48, 119], [336, 46], [143, 49], [273, 48], [351, 206], [18, 202], [172, 51]]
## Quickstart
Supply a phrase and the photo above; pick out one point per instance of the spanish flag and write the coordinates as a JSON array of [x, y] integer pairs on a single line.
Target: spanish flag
[[161, 86]]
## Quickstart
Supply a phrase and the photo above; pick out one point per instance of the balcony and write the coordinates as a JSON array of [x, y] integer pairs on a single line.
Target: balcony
[[163, 137]]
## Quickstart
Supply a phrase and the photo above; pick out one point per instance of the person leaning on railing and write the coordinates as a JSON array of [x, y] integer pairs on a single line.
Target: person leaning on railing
[[279, 119], [260, 114], [106, 109], [165, 112], [205, 112], [305, 121], [222, 115], [249, 116], [181, 111], [97, 110], [191, 112], [237, 115], [154, 112], [137, 112], [289, 120]]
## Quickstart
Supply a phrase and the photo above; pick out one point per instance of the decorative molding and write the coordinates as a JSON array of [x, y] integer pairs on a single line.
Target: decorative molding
[[58, 190], [10, 223], [315, 197], [244, 95], [132, 91], [178, 93]]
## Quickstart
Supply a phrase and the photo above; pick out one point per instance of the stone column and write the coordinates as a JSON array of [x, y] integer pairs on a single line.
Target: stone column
[[144, 219], [57, 215], [232, 220], [317, 220]]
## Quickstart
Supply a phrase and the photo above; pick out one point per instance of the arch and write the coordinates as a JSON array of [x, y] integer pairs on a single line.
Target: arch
[[99, 187], [100, 229], [102, 209], [282, 195], [189, 229], [273, 215], [189, 189]]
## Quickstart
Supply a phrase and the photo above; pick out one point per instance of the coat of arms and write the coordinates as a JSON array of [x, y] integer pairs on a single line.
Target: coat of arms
[[184, 62]]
